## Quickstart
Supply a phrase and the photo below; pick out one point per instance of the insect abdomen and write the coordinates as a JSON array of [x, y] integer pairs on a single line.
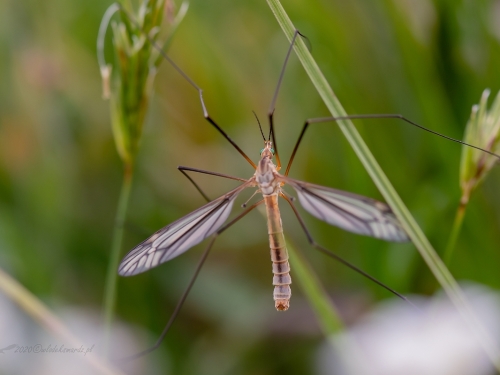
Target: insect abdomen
[[279, 255]]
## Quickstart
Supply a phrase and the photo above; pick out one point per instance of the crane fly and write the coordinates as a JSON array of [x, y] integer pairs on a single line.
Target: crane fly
[[348, 211]]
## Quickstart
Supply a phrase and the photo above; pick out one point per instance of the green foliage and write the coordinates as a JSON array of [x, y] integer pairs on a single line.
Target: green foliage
[[482, 130], [326, 314], [60, 176], [137, 61], [415, 233], [137, 57]]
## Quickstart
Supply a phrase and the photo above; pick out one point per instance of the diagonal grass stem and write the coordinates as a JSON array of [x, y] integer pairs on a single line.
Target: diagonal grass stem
[[423, 245]]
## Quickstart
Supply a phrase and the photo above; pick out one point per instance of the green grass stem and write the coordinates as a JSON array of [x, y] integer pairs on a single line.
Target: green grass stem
[[326, 313], [112, 274], [455, 231], [426, 250]]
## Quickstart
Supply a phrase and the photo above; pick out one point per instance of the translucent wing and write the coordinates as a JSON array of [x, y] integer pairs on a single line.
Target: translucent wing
[[180, 236], [349, 211]]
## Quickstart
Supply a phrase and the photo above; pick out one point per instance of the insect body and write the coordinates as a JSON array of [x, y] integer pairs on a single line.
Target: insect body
[[346, 210], [267, 178]]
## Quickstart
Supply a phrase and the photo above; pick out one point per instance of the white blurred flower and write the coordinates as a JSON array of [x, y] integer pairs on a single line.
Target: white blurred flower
[[396, 339], [31, 341]]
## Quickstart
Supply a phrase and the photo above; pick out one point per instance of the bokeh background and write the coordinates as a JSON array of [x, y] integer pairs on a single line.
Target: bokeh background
[[60, 174]]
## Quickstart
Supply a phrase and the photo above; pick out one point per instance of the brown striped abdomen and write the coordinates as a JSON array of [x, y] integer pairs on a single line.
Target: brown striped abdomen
[[279, 254]]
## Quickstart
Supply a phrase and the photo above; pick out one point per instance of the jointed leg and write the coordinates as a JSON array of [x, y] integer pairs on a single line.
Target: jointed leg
[[183, 169], [191, 82], [176, 310], [373, 116], [190, 285], [331, 254], [272, 107]]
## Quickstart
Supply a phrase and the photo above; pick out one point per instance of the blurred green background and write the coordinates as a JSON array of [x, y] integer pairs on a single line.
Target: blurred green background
[[60, 174]]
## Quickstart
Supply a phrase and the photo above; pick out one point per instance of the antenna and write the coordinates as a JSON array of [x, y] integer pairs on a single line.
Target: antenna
[[260, 127]]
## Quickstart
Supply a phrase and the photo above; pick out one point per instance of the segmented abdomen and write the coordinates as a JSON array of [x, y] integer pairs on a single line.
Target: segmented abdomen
[[279, 254]]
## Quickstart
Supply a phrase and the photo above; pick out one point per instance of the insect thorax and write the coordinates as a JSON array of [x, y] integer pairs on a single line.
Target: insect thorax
[[265, 177]]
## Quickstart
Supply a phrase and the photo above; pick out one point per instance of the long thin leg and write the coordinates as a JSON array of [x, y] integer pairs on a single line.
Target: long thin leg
[[183, 169], [190, 285], [272, 107], [191, 82], [331, 254], [195, 185], [176, 310], [374, 116], [143, 233]]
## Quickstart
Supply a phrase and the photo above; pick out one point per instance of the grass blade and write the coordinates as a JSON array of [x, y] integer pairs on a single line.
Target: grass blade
[[114, 258], [326, 313], [423, 245]]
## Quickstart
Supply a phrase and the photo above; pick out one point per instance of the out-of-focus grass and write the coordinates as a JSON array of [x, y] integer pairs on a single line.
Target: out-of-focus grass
[[59, 172], [128, 84], [434, 263]]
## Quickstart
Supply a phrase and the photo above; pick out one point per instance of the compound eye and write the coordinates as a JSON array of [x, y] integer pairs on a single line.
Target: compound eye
[[261, 151], [272, 150]]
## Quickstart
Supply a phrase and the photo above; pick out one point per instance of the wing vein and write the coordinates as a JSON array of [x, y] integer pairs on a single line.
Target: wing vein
[[181, 235]]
